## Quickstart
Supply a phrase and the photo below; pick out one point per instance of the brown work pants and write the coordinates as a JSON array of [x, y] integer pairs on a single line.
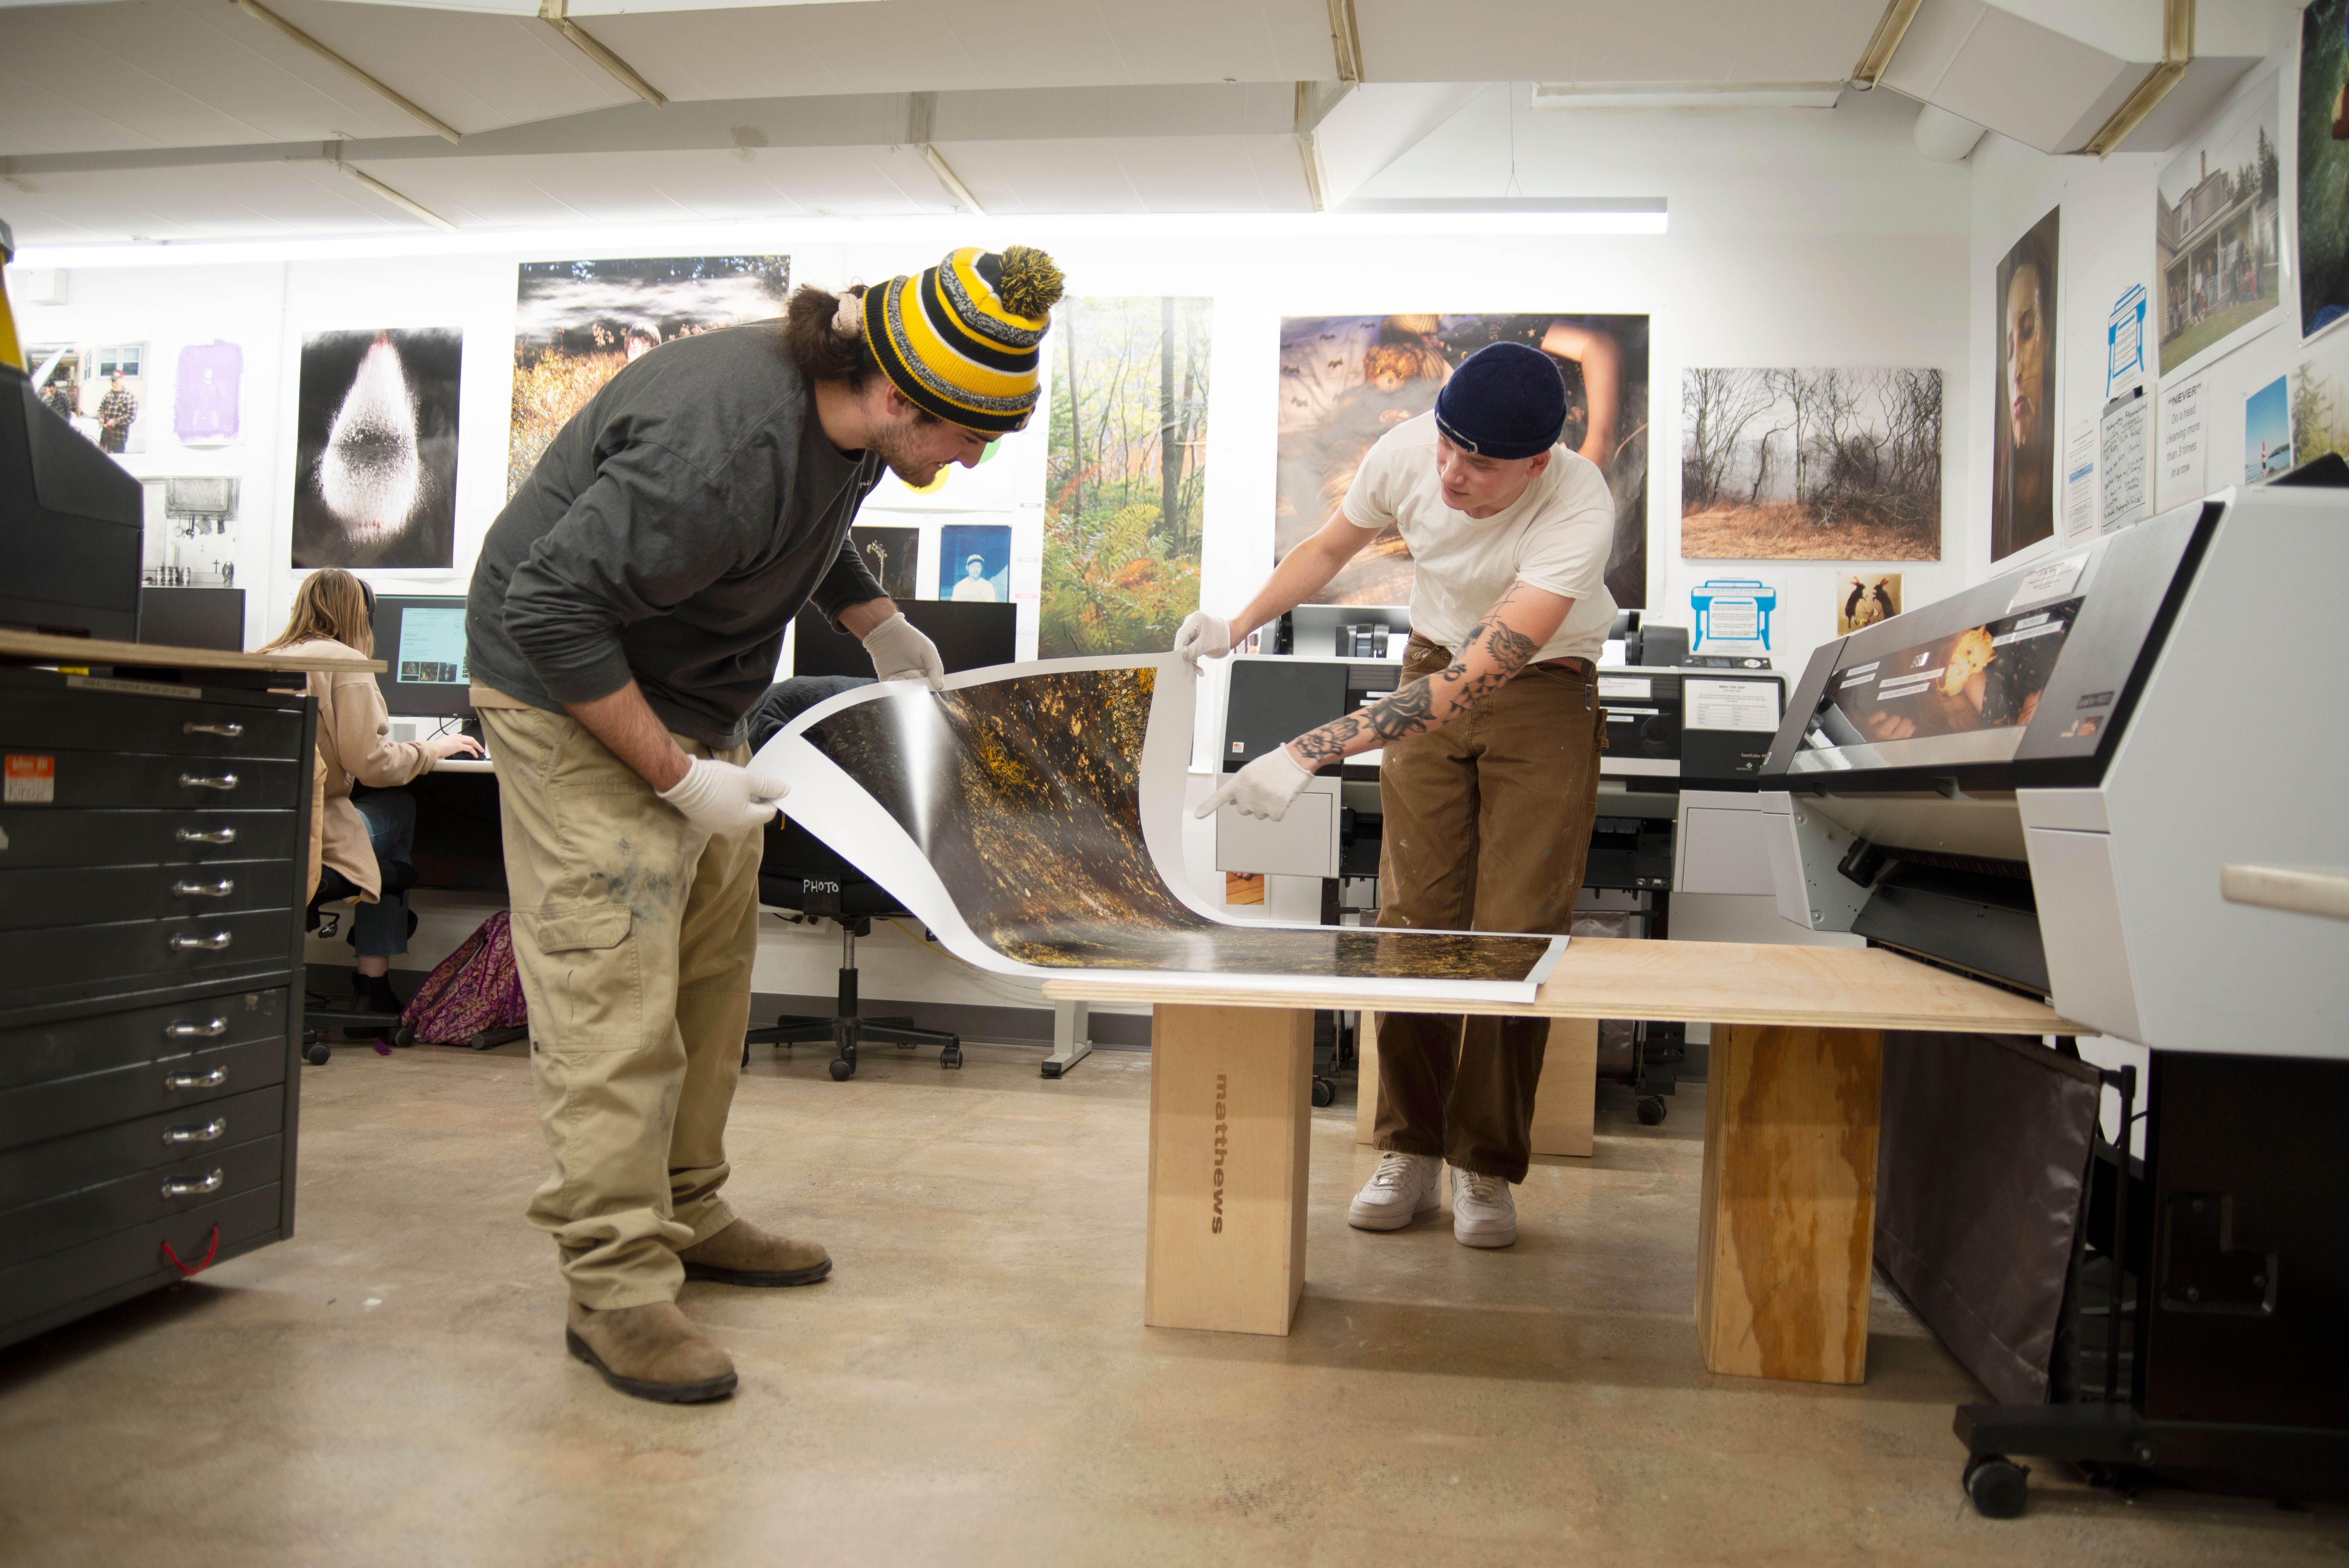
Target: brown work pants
[[634, 932], [1487, 826]]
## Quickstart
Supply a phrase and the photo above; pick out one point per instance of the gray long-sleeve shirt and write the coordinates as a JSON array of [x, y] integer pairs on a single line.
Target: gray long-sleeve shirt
[[671, 533]]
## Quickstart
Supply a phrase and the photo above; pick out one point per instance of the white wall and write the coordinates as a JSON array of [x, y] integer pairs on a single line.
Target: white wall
[[1796, 239]]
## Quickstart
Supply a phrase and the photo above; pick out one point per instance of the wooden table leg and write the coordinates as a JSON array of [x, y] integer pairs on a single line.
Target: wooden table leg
[[1230, 1105], [1786, 1230]]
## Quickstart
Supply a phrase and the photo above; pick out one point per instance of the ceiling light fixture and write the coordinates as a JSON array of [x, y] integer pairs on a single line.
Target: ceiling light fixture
[[1685, 95]]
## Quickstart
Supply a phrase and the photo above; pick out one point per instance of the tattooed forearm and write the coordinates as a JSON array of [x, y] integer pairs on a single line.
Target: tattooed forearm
[[1491, 657]]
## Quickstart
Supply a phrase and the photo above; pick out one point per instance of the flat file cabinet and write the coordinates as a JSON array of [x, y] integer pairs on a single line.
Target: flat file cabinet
[[154, 862]]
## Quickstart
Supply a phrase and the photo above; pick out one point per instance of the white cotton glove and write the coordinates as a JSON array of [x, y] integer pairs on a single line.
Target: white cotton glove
[[724, 797], [901, 653], [1203, 635], [1262, 788]]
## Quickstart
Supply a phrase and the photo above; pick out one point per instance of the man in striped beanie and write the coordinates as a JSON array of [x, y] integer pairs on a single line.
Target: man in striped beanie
[[626, 614]]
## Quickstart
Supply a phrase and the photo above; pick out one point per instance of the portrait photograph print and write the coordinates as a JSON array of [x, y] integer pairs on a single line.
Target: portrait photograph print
[[375, 465], [975, 562], [2023, 454]]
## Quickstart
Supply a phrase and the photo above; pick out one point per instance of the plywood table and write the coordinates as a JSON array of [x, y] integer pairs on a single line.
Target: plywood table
[[1786, 1233], [81, 652]]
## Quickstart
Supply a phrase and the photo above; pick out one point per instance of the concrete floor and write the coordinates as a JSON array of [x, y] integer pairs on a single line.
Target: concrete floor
[[974, 1385]]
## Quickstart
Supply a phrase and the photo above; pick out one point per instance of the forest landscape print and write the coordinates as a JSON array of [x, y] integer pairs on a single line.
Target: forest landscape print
[[1125, 476], [1792, 464]]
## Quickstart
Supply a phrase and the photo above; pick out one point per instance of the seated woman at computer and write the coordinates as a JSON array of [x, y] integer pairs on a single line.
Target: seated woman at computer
[[334, 613]]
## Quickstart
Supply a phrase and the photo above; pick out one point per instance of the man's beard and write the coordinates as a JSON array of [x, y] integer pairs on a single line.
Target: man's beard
[[894, 447]]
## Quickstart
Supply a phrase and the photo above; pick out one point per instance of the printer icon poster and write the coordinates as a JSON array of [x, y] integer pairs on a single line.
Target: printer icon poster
[[1733, 614]]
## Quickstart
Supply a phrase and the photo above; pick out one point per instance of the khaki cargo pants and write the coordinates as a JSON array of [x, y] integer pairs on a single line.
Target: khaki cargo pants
[[634, 932], [1487, 827]]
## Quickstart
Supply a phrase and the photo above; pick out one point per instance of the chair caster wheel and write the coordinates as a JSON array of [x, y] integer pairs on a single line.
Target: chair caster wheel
[[951, 1057], [316, 1053], [1324, 1092], [841, 1070], [1652, 1110], [403, 1037], [1998, 1486]]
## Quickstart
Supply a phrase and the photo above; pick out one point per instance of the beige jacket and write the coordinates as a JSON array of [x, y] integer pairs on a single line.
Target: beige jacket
[[354, 744]]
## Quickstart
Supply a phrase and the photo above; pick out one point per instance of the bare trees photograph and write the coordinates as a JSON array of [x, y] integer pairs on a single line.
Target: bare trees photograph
[[1811, 465]]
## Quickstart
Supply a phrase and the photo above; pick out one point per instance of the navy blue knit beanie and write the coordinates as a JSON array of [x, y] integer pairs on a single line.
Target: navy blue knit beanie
[[1507, 400]]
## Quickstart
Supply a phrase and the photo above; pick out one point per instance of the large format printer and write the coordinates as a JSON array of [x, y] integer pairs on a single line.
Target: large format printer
[[2043, 781]]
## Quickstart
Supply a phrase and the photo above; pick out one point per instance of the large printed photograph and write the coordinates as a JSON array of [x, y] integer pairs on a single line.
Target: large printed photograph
[[1810, 465], [1985, 677], [1347, 380], [2323, 165], [2215, 221], [577, 324], [1024, 796], [375, 464], [2023, 447], [1125, 474]]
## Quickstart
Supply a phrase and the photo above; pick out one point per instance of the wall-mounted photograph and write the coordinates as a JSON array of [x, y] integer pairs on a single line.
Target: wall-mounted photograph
[[1864, 598], [1810, 465], [975, 562], [375, 457], [2022, 423], [205, 409], [99, 389], [2322, 190], [891, 555], [2216, 262], [2320, 403], [191, 533], [577, 323], [1346, 380], [2266, 431], [1125, 474]]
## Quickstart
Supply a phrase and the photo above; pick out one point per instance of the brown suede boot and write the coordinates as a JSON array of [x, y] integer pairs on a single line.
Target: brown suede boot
[[742, 1253], [653, 1352]]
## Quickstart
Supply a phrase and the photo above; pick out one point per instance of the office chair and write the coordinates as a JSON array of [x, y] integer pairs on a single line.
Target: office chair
[[385, 1027], [798, 873]]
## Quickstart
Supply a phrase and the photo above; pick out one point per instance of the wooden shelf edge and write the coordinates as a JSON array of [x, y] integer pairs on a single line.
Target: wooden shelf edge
[[40, 646]]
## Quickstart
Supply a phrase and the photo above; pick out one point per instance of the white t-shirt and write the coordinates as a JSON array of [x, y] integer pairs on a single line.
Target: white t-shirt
[[1554, 537]]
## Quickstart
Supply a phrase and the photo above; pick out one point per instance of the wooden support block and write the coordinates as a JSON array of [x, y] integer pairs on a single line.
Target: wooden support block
[[1564, 1105], [1786, 1226], [1230, 1108]]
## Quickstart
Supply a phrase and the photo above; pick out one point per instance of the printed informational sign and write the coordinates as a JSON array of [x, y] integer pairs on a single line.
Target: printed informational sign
[[2124, 451], [2080, 483], [1729, 705], [2050, 580], [2185, 444]]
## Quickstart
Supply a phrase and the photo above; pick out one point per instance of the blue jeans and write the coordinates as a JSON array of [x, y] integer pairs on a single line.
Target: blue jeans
[[380, 930]]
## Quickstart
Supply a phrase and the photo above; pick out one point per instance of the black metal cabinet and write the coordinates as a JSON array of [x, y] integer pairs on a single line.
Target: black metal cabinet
[[153, 862]]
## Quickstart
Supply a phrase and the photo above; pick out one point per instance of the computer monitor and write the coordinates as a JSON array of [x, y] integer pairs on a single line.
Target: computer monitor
[[421, 642], [969, 636], [192, 618]]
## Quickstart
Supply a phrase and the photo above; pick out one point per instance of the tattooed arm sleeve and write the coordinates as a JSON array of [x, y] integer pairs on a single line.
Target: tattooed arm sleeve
[[1504, 642]]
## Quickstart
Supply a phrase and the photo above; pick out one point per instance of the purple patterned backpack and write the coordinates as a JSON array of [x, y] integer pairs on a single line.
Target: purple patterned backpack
[[474, 997]]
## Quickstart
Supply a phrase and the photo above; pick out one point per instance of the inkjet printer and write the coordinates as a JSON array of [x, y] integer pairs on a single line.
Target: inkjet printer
[[2039, 780]]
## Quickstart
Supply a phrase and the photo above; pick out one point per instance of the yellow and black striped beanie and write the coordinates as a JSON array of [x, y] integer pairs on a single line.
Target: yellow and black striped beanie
[[960, 340]]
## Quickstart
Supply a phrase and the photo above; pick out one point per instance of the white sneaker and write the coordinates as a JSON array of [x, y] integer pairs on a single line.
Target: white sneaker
[[1484, 1211], [1401, 1189]]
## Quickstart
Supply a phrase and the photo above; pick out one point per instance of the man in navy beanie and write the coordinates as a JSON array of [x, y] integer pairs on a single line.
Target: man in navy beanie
[[1490, 775]]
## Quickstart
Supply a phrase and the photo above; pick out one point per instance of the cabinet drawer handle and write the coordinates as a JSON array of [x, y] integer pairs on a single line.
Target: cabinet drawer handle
[[220, 889], [212, 1031], [206, 835], [194, 1134], [198, 781], [212, 1079], [192, 1187], [225, 731], [213, 943]]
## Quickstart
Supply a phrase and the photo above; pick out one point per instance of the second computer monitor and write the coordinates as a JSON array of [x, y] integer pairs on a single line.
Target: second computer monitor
[[969, 636], [422, 641]]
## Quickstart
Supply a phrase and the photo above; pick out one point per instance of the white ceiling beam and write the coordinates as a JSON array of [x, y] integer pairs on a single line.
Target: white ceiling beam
[[556, 13], [263, 13]]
